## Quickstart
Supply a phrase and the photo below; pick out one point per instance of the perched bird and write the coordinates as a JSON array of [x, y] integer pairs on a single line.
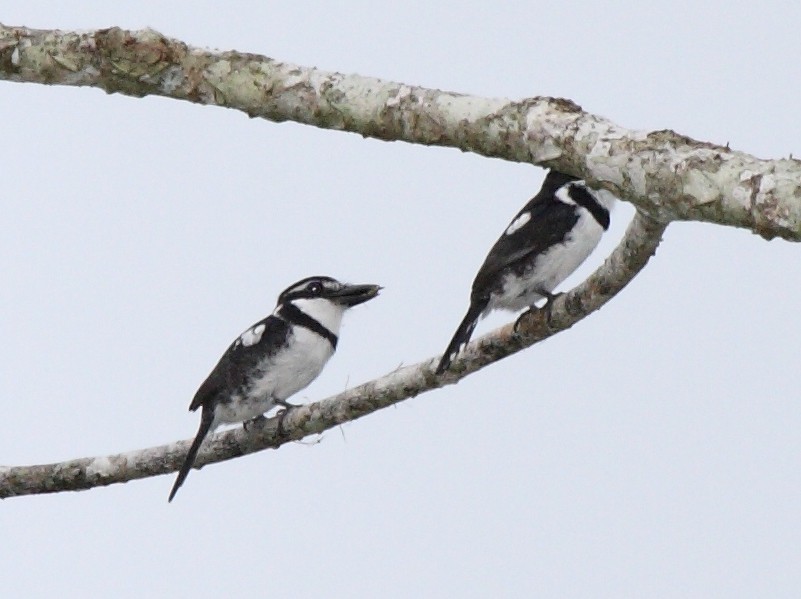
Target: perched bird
[[547, 240], [275, 358]]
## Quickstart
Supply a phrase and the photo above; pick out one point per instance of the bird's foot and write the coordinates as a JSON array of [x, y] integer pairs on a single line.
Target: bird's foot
[[288, 407], [253, 421], [279, 429], [550, 298], [548, 307], [520, 318]]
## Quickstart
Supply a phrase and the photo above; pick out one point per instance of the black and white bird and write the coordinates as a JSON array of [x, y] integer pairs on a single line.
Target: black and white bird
[[547, 240], [275, 358]]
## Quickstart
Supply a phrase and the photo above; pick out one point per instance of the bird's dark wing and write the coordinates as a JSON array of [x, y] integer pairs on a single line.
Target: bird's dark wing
[[550, 222], [239, 359]]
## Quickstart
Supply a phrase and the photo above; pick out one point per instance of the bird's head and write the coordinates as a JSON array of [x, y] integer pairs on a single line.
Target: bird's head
[[326, 289], [325, 299]]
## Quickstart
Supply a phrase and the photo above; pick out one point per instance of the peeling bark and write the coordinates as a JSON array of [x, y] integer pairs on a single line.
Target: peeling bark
[[664, 174]]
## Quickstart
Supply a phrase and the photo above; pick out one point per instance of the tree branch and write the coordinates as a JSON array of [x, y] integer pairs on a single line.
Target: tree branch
[[664, 174], [630, 256]]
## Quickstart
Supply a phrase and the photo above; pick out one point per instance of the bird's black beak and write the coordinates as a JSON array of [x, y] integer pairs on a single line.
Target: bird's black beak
[[353, 295]]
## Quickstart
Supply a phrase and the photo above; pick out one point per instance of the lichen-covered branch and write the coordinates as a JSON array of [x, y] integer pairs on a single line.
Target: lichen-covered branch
[[666, 175], [631, 255]]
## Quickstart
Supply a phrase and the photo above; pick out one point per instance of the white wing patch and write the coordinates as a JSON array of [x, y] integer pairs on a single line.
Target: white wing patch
[[252, 336], [518, 222]]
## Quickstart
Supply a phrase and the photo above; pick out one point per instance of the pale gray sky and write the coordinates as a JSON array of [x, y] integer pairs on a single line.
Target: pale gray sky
[[653, 450]]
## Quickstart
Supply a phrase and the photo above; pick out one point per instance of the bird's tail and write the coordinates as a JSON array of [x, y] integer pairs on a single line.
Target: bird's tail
[[206, 420], [462, 335]]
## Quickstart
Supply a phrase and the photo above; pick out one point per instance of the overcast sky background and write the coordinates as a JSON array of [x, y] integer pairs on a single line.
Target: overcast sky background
[[653, 450]]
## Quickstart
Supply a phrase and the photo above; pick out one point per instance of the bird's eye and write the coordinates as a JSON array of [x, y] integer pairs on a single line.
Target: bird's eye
[[314, 287]]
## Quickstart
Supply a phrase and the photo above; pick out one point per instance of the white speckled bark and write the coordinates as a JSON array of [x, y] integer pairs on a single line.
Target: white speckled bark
[[666, 175]]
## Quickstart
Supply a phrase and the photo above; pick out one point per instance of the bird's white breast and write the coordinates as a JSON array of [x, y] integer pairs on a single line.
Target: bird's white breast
[[279, 376], [551, 267]]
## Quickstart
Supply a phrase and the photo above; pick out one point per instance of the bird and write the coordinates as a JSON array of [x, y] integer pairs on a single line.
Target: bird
[[275, 358], [545, 242]]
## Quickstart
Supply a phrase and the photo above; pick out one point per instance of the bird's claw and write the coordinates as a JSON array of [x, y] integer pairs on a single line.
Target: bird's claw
[[520, 318], [279, 428], [252, 421], [550, 298]]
